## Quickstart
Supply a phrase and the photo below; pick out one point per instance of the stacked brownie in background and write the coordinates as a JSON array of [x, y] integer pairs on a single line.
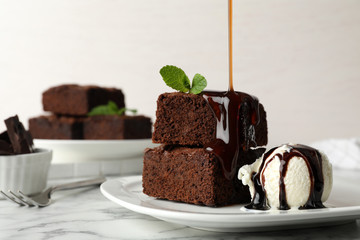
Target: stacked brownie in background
[[69, 105], [182, 169]]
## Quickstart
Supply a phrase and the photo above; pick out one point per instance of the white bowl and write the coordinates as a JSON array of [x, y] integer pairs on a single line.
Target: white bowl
[[25, 172], [75, 151]]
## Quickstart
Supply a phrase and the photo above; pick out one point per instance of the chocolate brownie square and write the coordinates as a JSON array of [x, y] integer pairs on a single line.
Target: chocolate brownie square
[[5, 144], [193, 175], [117, 127], [187, 119], [56, 127], [72, 99], [20, 139]]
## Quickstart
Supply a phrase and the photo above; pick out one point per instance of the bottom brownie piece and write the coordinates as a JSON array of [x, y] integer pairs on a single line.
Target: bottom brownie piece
[[117, 127], [54, 127], [193, 175]]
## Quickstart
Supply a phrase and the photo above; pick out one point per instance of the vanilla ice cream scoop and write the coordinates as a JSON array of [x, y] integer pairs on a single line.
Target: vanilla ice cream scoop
[[289, 176]]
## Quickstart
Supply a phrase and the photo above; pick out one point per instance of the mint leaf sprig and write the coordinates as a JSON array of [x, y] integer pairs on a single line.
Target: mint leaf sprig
[[110, 109], [176, 78]]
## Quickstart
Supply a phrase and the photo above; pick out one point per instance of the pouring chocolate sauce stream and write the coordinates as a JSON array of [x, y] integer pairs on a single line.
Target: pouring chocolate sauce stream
[[234, 132], [231, 86]]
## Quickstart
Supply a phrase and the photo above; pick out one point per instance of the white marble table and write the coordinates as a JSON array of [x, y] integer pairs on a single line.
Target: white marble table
[[87, 214]]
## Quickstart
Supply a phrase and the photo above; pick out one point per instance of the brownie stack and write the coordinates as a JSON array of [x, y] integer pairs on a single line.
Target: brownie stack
[[70, 104], [182, 168]]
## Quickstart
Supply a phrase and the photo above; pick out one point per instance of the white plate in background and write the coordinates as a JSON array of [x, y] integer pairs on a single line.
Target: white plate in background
[[345, 202], [70, 151]]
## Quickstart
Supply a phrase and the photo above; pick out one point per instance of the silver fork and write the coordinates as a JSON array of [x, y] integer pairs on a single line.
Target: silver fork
[[43, 199]]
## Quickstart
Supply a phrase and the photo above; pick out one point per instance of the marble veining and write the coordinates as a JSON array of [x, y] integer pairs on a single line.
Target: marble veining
[[87, 214]]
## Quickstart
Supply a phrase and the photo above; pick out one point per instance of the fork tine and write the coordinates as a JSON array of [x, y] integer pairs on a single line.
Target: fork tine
[[27, 199], [11, 199], [20, 199]]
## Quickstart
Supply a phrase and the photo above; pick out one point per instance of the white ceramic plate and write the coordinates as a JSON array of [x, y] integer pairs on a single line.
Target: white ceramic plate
[[65, 151], [127, 191]]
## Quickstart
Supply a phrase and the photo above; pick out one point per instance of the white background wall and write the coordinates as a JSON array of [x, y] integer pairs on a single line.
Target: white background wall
[[301, 58]]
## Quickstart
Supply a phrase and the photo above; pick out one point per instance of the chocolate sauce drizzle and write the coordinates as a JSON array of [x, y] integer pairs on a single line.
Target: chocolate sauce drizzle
[[313, 161], [236, 114]]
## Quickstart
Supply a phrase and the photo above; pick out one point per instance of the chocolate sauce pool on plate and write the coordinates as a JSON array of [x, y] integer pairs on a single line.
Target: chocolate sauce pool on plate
[[313, 161]]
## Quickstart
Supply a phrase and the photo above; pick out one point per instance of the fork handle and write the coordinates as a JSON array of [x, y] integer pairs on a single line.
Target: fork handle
[[85, 183]]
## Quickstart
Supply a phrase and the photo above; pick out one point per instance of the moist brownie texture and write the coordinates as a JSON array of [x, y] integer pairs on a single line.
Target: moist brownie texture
[[117, 127], [72, 99], [187, 119], [56, 127], [193, 175]]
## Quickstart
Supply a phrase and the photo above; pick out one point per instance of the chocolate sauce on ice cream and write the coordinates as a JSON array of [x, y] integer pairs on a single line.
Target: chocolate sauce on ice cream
[[314, 163]]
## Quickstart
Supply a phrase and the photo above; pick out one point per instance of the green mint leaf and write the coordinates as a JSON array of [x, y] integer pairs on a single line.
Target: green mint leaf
[[198, 84], [112, 105], [175, 78], [110, 109], [102, 110], [121, 111]]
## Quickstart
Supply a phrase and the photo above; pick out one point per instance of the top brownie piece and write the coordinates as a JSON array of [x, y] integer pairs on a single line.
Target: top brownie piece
[[72, 99], [187, 119]]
